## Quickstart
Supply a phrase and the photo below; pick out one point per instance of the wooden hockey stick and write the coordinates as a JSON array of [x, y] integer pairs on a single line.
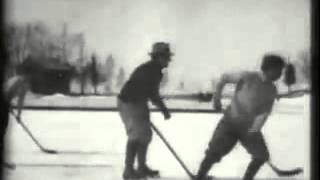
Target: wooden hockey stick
[[26, 129], [164, 140]]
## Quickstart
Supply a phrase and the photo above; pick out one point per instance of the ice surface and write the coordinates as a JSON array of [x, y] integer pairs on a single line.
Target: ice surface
[[287, 135]]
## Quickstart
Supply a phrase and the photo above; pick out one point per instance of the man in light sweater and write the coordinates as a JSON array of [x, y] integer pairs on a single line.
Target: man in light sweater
[[243, 119]]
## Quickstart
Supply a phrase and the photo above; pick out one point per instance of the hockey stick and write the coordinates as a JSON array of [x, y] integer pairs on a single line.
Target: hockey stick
[[172, 150], [286, 173], [279, 172], [26, 129], [45, 150], [207, 97]]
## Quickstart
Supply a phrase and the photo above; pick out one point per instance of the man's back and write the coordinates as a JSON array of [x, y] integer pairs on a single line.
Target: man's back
[[143, 83]]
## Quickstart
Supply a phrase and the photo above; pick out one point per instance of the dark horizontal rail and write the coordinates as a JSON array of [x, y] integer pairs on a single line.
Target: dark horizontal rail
[[111, 109], [63, 165], [292, 94], [194, 96]]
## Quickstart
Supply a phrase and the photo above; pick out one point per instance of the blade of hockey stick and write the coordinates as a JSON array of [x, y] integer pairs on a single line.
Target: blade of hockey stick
[[50, 151], [280, 172], [26, 129], [45, 150], [78, 152]]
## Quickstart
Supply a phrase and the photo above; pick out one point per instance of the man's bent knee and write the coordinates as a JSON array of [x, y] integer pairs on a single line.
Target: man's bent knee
[[213, 157], [141, 139], [261, 158]]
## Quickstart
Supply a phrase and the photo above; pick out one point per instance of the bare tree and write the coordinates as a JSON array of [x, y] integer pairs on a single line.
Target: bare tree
[[289, 76], [304, 61], [109, 73], [82, 66], [120, 78], [94, 73], [164, 80], [37, 40], [181, 86]]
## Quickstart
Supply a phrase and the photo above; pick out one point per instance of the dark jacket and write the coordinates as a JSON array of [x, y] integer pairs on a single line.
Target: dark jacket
[[143, 83]]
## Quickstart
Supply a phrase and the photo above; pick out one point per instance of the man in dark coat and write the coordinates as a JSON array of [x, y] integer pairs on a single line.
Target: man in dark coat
[[142, 86]]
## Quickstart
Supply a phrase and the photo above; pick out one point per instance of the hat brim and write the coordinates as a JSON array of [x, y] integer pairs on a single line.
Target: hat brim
[[165, 53]]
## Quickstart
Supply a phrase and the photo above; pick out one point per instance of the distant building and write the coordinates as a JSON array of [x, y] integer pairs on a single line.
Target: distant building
[[50, 75]]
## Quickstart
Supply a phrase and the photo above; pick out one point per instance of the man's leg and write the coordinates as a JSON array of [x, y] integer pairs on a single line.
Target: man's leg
[[131, 152], [256, 146], [222, 142], [142, 154], [206, 165], [142, 161], [253, 168], [146, 137], [3, 130], [127, 112]]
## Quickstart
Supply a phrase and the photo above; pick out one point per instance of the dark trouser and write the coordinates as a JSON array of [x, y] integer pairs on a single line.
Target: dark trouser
[[3, 127], [225, 137], [4, 120], [133, 149], [136, 119]]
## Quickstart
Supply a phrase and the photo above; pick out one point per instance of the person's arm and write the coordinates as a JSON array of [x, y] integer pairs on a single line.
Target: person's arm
[[226, 78], [156, 98], [160, 104], [157, 101], [21, 98]]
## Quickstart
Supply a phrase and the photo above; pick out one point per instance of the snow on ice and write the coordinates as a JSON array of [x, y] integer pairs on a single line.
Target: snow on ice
[[287, 133]]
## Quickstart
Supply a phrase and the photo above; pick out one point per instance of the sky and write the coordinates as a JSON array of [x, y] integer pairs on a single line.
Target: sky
[[208, 37]]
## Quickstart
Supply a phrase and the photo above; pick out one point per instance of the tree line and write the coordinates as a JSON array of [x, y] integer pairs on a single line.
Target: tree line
[[63, 48], [66, 48]]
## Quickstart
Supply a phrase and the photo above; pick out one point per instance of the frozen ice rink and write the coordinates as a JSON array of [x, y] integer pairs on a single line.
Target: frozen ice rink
[[92, 144]]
